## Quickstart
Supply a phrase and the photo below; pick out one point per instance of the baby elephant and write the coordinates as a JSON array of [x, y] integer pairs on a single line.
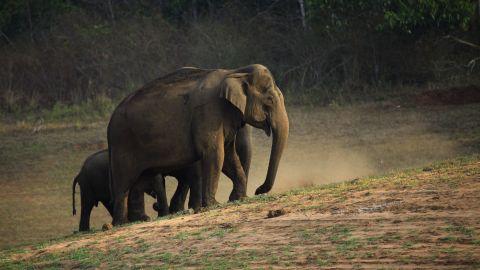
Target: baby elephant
[[94, 187]]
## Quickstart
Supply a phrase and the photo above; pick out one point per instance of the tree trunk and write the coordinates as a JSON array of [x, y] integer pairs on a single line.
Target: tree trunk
[[110, 10], [302, 13]]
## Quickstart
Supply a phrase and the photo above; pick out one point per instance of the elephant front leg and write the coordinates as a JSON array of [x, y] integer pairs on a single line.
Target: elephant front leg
[[232, 168], [159, 188], [211, 167]]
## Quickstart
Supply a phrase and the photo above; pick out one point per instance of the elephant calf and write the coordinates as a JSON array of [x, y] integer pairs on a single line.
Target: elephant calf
[[94, 187]]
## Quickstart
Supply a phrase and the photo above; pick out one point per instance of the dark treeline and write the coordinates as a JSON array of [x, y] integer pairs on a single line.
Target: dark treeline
[[60, 51]]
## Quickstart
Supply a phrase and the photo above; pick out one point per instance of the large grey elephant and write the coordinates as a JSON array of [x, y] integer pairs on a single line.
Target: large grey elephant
[[193, 115]]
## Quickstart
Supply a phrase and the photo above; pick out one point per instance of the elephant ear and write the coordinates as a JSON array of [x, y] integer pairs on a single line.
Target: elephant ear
[[232, 90]]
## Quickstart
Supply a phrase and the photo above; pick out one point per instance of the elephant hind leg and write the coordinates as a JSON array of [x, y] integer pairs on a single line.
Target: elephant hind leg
[[122, 178], [136, 200], [195, 183], [177, 203], [108, 206], [232, 167], [87, 203], [159, 188]]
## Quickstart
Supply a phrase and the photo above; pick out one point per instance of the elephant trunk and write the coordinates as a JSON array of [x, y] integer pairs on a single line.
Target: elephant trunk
[[280, 128]]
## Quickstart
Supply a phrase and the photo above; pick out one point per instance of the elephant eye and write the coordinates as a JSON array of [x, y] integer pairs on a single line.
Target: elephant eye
[[270, 100]]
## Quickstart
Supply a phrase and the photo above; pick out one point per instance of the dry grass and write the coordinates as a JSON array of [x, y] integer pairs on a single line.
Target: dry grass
[[326, 145], [417, 219]]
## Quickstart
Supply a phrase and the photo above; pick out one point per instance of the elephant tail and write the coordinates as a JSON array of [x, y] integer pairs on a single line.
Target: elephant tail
[[110, 179], [75, 181]]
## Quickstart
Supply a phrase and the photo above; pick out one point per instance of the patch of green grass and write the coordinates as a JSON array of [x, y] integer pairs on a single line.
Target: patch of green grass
[[390, 237], [449, 250], [84, 258], [81, 258], [405, 259], [312, 207], [305, 234], [373, 240], [323, 262], [338, 233], [220, 233], [142, 247], [407, 245], [368, 255], [273, 259], [165, 257], [461, 229], [98, 108], [349, 245], [448, 239], [181, 236], [120, 239]]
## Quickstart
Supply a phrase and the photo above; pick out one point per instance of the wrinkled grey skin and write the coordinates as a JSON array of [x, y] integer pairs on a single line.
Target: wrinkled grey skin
[[94, 188], [192, 115]]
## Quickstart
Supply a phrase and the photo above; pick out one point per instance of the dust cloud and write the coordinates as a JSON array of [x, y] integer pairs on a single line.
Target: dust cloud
[[335, 144]]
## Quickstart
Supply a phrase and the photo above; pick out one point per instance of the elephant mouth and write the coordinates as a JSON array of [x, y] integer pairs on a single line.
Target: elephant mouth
[[267, 127]]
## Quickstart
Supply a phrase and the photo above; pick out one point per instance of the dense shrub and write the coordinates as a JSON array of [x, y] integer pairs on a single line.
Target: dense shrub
[[69, 52]]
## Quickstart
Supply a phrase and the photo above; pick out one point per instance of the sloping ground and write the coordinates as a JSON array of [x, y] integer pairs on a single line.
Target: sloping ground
[[426, 218]]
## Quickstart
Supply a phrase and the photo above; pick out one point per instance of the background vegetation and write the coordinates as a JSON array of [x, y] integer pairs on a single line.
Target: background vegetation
[[74, 51]]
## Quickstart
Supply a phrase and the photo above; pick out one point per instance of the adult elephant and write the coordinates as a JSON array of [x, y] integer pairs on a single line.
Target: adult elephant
[[193, 115]]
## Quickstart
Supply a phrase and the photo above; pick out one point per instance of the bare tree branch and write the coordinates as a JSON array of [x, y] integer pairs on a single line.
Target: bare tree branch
[[463, 42]]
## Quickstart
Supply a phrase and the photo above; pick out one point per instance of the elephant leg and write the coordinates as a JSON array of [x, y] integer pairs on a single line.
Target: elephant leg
[[122, 178], [136, 200], [243, 147], [87, 205], [232, 167], [185, 179], [211, 166], [195, 184], [159, 188], [108, 206], [177, 203]]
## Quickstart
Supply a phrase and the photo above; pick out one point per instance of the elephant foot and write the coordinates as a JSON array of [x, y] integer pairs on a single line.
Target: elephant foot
[[234, 196], [262, 189], [176, 210], [176, 207], [139, 217], [84, 229], [161, 211], [118, 222], [210, 203], [144, 218]]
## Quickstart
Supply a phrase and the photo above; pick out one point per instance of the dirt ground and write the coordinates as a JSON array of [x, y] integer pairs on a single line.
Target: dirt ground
[[427, 218], [328, 144]]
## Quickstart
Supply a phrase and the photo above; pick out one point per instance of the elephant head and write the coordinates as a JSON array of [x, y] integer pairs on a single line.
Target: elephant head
[[252, 90]]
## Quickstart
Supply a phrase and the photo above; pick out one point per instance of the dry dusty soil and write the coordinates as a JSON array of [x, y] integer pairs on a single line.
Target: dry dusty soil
[[38, 160], [426, 218]]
